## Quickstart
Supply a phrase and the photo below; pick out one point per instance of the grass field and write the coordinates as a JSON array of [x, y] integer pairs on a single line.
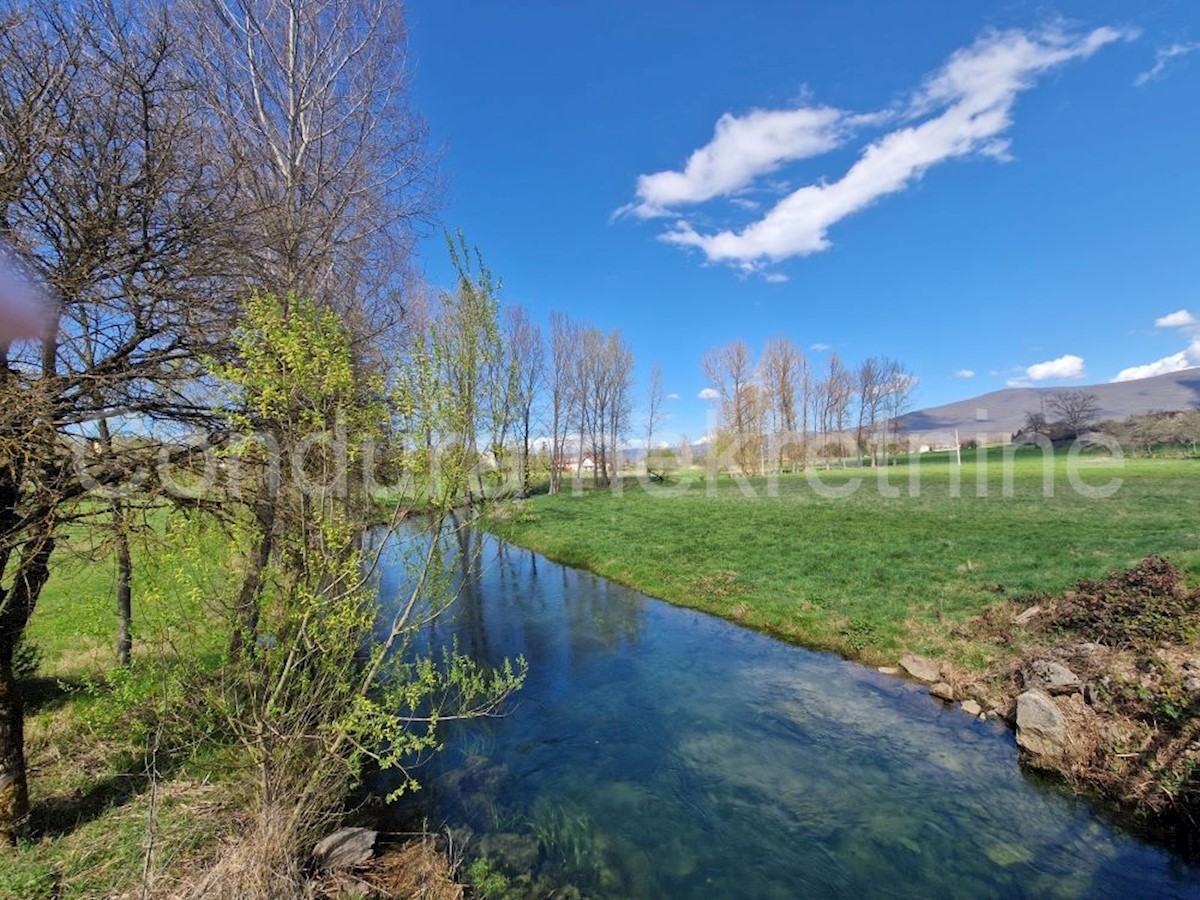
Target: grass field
[[870, 575], [88, 741]]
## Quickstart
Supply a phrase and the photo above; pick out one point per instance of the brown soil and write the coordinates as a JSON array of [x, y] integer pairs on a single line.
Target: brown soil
[[1133, 640]]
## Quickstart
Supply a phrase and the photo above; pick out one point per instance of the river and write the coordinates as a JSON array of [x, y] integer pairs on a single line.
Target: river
[[656, 751]]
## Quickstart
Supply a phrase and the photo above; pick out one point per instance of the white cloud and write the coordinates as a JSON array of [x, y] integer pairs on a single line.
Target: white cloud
[[966, 107], [1162, 56], [672, 396], [1176, 362], [819, 347], [708, 394], [1181, 318], [775, 278], [1068, 366], [965, 373], [1065, 367], [742, 148]]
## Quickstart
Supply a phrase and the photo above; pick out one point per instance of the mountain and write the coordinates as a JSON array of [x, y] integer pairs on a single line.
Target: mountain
[[1001, 413]]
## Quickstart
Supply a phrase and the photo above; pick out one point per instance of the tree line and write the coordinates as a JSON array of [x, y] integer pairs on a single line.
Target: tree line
[[780, 412], [529, 405]]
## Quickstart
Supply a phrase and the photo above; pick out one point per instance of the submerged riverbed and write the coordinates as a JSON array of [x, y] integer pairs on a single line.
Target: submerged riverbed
[[655, 751]]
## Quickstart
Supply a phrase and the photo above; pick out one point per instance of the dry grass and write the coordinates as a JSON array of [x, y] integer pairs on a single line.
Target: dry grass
[[258, 862], [256, 866], [418, 870]]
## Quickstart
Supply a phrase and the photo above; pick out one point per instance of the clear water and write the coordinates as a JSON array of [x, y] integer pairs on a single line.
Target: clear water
[[659, 752]]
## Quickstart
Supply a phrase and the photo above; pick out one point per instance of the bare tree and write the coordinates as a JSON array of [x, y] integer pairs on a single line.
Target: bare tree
[[784, 375], [590, 401], [654, 405], [897, 400], [1035, 422], [869, 381], [883, 389], [618, 372], [1075, 409], [564, 348], [835, 394], [730, 370], [106, 195], [683, 450], [309, 102], [524, 347]]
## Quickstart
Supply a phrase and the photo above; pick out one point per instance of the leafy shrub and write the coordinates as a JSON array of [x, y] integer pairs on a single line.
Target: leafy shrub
[[486, 883]]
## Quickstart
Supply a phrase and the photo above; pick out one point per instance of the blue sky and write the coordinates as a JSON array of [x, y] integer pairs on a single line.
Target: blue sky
[[1008, 189]]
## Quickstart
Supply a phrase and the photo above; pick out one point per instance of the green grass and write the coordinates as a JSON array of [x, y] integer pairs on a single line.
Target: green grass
[[870, 575], [88, 730]]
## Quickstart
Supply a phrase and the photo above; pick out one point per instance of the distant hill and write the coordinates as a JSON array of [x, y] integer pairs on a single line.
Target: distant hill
[[1003, 412]]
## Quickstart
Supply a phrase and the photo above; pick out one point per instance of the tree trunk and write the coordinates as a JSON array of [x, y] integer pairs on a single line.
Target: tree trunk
[[14, 793], [16, 605], [124, 566], [124, 586], [525, 428], [245, 631]]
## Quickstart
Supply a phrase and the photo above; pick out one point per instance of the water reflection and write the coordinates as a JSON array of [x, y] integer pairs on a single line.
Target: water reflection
[[658, 752]]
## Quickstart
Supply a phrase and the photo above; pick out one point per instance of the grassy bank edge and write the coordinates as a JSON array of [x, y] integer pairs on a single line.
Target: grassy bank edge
[[924, 622]]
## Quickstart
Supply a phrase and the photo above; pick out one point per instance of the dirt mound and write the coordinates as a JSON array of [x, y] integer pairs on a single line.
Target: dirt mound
[[1130, 644], [1147, 605]]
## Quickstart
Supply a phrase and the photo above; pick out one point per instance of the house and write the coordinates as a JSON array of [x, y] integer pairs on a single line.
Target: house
[[574, 467]]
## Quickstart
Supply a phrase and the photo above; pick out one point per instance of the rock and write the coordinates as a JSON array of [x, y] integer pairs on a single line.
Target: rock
[[1191, 684], [1041, 728], [920, 668], [971, 708], [889, 670], [1087, 650], [1051, 677], [942, 691], [1028, 615], [515, 852], [345, 848], [1008, 854]]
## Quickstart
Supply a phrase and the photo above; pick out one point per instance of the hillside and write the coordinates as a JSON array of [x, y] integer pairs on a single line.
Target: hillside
[[1003, 412]]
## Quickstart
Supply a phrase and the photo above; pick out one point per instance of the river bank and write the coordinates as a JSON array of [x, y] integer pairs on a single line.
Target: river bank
[[943, 573], [1102, 686], [656, 751]]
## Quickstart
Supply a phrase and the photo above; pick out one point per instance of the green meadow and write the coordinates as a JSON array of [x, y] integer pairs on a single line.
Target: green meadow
[[872, 562], [95, 780]]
